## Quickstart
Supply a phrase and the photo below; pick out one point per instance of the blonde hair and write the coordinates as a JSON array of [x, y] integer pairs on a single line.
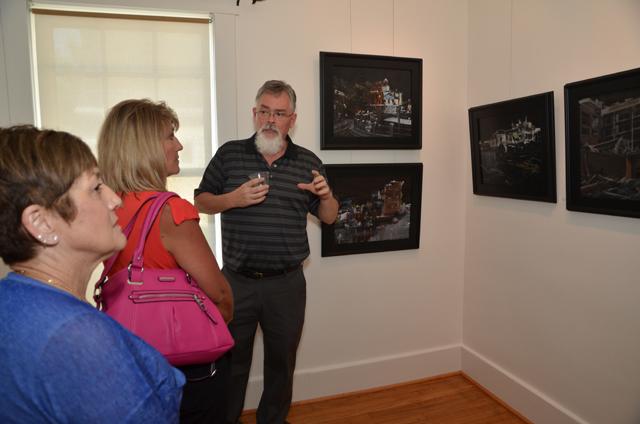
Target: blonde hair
[[130, 152]]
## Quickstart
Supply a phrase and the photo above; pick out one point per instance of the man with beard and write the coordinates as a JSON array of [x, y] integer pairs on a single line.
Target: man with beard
[[264, 242]]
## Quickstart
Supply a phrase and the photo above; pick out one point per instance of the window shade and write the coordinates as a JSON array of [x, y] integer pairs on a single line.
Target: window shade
[[88, 63]]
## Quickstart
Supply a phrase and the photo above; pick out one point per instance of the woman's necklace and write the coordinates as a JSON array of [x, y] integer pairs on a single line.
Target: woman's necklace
[[44, 277]]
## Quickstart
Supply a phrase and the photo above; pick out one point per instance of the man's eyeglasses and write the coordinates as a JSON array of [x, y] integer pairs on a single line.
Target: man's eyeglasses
[[278, 115]]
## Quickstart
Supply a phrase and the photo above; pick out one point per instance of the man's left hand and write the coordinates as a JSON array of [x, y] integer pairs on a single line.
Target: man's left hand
[[317, 186]]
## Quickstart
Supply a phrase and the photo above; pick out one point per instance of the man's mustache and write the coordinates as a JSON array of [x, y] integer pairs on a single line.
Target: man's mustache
[[270, 127]]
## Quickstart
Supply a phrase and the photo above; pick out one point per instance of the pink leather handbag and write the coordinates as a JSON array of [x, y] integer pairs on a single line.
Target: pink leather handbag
[[164, 307]]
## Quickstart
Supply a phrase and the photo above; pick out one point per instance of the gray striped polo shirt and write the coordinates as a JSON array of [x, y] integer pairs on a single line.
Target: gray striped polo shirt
[[271, 235]]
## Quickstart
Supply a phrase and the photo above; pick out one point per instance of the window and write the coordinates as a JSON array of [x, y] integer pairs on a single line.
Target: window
[[85, 62]]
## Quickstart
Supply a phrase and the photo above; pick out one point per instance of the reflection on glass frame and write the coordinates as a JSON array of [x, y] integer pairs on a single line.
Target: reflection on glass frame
[[513, 148], [370, 102], [602, 135], [379, 208]]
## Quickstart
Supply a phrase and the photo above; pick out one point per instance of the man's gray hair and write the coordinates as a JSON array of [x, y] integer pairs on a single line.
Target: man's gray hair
[[277, 87]]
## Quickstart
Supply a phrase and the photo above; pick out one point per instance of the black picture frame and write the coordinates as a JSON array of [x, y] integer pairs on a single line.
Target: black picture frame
[[380, 208], [370, 102], [513, 148], [602, 136]]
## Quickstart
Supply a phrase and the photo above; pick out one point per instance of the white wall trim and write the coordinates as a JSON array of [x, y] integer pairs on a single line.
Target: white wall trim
[[317, 382], [161, 7], [519, 395], [17, 62]]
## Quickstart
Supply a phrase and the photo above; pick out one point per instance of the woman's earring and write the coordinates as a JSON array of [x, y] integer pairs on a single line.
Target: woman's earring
[[51, 240]]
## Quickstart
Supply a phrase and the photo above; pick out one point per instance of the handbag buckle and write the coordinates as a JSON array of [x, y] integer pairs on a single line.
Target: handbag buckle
[[134, 283]]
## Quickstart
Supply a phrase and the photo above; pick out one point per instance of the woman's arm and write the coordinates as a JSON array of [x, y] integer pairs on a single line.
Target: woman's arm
[[191, 251]]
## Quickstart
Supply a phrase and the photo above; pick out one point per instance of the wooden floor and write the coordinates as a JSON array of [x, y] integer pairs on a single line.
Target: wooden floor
[[451, 399]]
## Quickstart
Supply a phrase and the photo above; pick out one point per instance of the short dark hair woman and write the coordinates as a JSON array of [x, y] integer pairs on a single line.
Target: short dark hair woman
[[62, 360]]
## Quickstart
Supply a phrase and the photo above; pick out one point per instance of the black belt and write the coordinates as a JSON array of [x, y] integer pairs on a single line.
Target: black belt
[[257, 275]]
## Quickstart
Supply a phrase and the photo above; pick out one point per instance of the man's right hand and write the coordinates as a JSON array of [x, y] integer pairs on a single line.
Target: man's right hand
[[250, 193]]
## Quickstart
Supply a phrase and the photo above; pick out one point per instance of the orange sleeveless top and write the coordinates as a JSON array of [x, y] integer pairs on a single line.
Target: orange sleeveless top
[[155, 255]]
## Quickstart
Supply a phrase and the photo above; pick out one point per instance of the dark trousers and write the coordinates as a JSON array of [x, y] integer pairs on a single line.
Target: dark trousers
[[204, 398], [277, 304]]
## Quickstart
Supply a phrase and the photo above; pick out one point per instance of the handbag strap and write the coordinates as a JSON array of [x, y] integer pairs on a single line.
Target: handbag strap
[[126, 231], [164, 196], [136, 268]]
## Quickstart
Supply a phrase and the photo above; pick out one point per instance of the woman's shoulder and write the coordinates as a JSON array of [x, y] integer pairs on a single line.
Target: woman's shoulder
[[131, 202], [134, 197], [84, 328], [47, 311], [74, 340], [99, 344], [180, 202], [182, 210]]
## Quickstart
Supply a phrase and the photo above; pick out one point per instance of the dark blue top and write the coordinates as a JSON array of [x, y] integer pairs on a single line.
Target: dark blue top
[[65, 362], [271, 235]]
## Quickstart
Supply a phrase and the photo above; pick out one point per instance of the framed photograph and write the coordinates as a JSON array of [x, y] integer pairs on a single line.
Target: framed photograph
[[370, 102], [602, 135], [513, 148], [379, 208]]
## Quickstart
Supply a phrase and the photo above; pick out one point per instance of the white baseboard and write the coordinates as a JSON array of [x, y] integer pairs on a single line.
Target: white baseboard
[[311, 383], [520, 396]]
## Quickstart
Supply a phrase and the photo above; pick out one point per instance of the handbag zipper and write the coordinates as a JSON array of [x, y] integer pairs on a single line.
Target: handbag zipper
[[182, 296], [153, 295], [204, 309]]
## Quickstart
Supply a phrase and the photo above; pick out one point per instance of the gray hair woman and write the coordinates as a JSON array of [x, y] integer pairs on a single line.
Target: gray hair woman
[[62, 360]]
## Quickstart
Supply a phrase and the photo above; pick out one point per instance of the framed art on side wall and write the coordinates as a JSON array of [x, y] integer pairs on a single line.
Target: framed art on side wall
[[602, 136], [370, 102], [379, 209], [513, 148]]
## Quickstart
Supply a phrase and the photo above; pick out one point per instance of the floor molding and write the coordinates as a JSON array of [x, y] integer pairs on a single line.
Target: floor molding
[[374, 390], [376, 374], [518, 395], [373, 373]]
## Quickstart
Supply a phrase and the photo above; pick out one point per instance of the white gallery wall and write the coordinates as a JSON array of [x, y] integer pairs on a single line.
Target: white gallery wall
[[534, 302], [551, 296], [381, 318], [374, 319]]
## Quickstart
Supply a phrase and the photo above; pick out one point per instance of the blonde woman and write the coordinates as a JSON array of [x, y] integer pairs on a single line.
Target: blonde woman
[[62, 360], [137, 151]]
